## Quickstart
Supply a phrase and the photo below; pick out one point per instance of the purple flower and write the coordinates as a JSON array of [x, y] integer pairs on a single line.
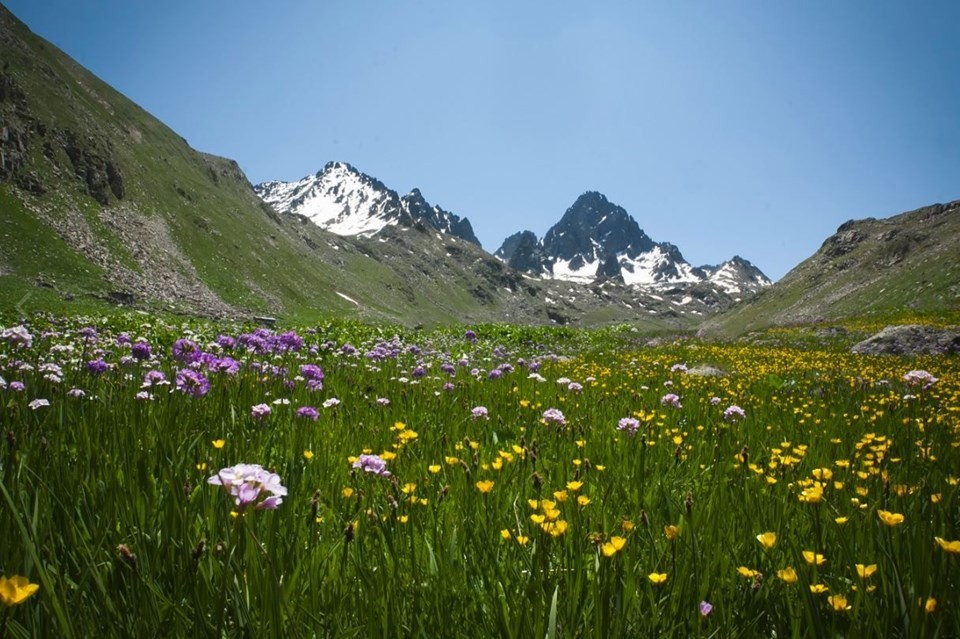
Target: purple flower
[[17, 387], [629, 424], [574, 387], [419, 371], [97, 366], [383, 401], [246, 482], [260, 411], [18, 337], [495, 374], [290, 341], [185, 351], [670, 399], [920, 378], [480, 411], [372, 464], [141, 350], [715, 400], [154, 377], [554, 416], [226, 342], [470, 336], [705, 608], [311, 371], [76, 392], [308, 412], [734, 414], [226, 365], [682, 368], [192, 383], [144, 396], [448, 387]]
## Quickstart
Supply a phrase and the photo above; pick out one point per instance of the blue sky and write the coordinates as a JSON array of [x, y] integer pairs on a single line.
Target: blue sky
[[723, 126]]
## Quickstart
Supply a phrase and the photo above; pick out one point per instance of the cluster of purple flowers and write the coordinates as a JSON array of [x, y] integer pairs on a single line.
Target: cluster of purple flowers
[[372, 464], [308, 412], [553, 416], [920, 378], [734, 414], [190, 382], [629, 424], [480, 412], [672, 400], [17, 336], [260, 411], [246, 482], [314, 376]]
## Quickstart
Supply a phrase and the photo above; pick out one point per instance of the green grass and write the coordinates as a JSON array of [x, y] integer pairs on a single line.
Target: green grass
[[110, 512]]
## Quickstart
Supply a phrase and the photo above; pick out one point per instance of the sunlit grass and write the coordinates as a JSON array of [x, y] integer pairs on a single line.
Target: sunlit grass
[[603, 490]]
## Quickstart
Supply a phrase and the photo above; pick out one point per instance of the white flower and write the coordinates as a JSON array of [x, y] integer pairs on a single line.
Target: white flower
[[333, 401], [39, 403]]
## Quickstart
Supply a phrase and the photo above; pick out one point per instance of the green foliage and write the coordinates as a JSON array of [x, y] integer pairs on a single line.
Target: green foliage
[[108, 509]]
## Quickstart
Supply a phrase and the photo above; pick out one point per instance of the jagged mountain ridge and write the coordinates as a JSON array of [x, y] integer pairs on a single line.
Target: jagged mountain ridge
[[345, 201], [597, 240]]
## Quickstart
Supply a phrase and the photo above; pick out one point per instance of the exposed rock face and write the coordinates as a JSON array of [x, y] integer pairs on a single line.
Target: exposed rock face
[[911, 339], [92, 163], [523, 252]]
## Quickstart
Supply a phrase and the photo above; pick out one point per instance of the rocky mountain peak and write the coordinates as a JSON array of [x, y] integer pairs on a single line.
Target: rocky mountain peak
[[341, 199]]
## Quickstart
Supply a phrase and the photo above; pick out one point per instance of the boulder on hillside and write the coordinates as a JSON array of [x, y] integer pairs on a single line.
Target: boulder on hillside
[[910, 339]]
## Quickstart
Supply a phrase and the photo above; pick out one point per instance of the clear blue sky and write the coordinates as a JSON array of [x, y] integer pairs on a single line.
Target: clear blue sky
[[723, 126]]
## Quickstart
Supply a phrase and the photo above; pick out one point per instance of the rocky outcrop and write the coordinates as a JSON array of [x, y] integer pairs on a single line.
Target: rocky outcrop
[[911, 339]]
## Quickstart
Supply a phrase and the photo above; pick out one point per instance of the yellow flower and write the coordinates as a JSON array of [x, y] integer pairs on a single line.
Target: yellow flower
[[813, 558], [889, 518], [388, 455], [505, 533], [930, 605], [15, 590], [452, 460], [949, 546], [749, 573], [560, 495], [583, 500], [613, 546], [308, 455], [347, 492], [627, 525], [812, 495], [767, 540], [657, 578], [574, 486], [838, 603], [403, 519], [522, 540], [671, 532], [555, 528], [485, 485], [841, 520], [219, 443], [533, 503], [865, 572], [538, 519], [787, 575], [434, 468], [408, 488], [818, 589]]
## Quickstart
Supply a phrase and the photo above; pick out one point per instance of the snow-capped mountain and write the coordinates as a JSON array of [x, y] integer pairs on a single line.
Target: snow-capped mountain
[[597, 240], [342, 200]]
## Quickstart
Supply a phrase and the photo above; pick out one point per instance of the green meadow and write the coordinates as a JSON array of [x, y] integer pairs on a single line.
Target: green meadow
[[162, 479]]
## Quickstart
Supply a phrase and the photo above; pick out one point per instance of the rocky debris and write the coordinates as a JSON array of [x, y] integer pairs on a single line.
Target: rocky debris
[[911, 339], [704, 370]]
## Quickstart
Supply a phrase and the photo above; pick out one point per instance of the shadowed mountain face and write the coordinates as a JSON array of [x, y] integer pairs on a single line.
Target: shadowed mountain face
[[868, 266]]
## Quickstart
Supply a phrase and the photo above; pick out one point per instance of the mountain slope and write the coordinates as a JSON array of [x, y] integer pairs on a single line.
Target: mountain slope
[[870, 266], [103, 204], [342, 200]]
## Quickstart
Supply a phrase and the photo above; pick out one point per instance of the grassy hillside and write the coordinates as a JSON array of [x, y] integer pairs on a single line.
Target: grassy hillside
[[903, 264], [102, 204]]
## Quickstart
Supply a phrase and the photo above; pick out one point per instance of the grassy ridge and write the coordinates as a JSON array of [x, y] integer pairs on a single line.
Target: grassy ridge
[[506, 521]]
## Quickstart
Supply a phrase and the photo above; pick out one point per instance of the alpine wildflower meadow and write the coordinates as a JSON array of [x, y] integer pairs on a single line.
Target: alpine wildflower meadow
[[171, 478]]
